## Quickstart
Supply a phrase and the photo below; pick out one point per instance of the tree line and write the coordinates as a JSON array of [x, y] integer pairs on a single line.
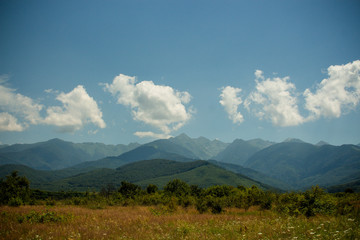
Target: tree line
[[15, 191]]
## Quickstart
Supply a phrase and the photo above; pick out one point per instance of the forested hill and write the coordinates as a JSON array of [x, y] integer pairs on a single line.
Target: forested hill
[[143, 173]]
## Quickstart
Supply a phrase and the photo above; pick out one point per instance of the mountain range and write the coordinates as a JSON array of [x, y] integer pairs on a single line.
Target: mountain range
[[289, 165]]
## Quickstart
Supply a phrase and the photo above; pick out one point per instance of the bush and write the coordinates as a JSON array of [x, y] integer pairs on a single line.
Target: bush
[[201, 205], [15, 202], [14, 189]]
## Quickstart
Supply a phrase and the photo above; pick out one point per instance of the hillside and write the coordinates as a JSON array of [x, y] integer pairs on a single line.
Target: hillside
[[201, 147], [57, 154], [239, 151], [157, 171], [144, 152], [302, 165], [253, 174]]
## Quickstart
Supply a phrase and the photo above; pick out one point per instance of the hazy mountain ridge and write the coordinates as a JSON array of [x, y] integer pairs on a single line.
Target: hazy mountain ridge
[[291, 164], [239, 151], [302, 164], [201, 147], [144, 152], [57, 154]]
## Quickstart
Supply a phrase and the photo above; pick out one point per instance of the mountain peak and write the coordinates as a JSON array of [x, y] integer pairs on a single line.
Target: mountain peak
[[322, 143], [182, 136], [294, 140]]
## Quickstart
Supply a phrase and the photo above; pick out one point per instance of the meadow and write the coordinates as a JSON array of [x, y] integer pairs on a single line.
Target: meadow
[[156, 222], [178, 211]]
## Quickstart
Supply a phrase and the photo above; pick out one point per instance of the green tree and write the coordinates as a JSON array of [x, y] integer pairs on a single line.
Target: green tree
[[177, 187], [129, 190], [14, 189], [151, 188]]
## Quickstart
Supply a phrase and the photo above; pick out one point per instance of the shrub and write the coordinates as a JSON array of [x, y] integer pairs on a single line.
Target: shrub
[[15, 202], [201, 205]]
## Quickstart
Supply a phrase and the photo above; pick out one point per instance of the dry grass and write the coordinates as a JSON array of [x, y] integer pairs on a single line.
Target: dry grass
[[156, 223]]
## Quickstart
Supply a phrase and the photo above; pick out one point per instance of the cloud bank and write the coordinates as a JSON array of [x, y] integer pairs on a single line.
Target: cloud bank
[[18, 112], [276, 100], [159, 106]]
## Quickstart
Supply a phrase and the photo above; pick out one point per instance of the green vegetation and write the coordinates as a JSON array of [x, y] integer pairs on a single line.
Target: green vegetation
[[143, 173], [177, 211], [15, 192]]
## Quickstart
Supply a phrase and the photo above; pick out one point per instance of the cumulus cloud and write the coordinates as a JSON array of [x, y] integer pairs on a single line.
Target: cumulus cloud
[[9, 123], [230, 100], [78, 109], [18, 112], [274, 100], [338, 93], [159, 106], [25, 108]]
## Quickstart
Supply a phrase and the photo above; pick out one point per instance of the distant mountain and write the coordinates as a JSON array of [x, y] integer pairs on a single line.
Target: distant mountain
[[353, 185], [239, 150], [253, 174], [181, 148], [40, 179], [302, 165], [144, 152], [101, 150], [293, 140], [57, 154], [169, 146], [156, 171], [201, 147], [321, 143]]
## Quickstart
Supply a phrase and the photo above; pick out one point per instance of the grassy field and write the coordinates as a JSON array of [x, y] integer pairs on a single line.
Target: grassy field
[[139, 222]]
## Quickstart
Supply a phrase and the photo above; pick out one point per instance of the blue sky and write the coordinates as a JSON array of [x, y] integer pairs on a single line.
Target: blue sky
[[133, 71]]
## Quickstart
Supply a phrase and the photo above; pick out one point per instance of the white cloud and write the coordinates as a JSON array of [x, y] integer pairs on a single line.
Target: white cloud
[[230, 100], [274, 100], [78, 109], [152, 135], [9, 123], [22, 107], [336, 94], [156, 105]]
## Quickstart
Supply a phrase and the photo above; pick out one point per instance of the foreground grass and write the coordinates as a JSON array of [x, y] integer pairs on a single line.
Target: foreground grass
[[139, 222]]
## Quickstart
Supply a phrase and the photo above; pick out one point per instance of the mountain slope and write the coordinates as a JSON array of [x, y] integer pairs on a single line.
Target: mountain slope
[[159, 172], [253, 174], [302, 165], [239, 151], [205, 176], [41, 179], [57, 154], [144, 152], [155, 171], [166, 145], [201, 147]]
